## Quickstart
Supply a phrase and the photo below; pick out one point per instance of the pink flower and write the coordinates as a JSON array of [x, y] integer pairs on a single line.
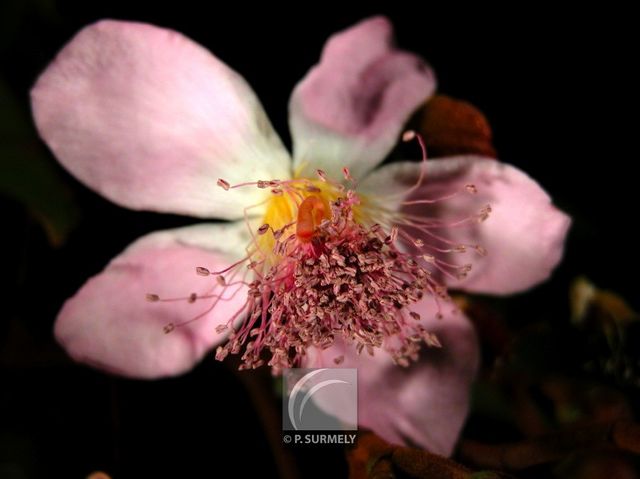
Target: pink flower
[[153, 121]]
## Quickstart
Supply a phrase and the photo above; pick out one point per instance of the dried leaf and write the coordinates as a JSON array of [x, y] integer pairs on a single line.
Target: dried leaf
[[454, 127], [373, 458], [622, 434], [604, 306]]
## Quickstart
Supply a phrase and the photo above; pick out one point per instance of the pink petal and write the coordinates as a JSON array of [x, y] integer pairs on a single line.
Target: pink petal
[[151, 120], [524, 234], [350, 108], [425, 404], [110, 325]]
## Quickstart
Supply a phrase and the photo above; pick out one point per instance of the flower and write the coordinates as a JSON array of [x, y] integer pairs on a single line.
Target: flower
[[324, 258]]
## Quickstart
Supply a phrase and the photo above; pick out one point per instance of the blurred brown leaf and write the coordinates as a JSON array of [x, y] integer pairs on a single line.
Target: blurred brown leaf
[[598, 465], [455, 127], [374, 458], [98, 475], [578, 401], [588, 302], [622, 435]]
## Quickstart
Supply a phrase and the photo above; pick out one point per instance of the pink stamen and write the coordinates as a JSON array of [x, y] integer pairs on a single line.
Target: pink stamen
[[408, 136], [335, 277]]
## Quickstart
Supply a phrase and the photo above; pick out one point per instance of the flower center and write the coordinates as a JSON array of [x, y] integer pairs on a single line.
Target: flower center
[[324, 268], [297, 206]]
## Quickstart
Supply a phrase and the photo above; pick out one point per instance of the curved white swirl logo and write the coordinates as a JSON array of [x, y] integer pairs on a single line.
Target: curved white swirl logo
[[320, 399]]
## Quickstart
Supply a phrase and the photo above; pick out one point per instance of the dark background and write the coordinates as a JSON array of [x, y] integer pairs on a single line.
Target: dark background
[[554, 86]]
